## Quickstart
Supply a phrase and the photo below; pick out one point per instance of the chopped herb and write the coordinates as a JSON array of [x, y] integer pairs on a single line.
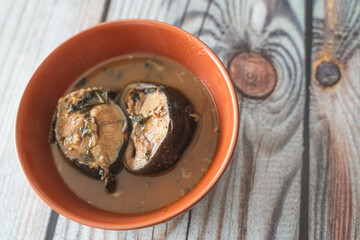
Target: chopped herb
[[147, 155], [99, 97], [91, 99], [86, 157], [134, 96], [101, 94], [112, 94], [138, 119], [70, 108], [149, 90], [89, 155], [86, 129], [80, 83], [108, 72], [173, 107], [120, 74], [154, 64]]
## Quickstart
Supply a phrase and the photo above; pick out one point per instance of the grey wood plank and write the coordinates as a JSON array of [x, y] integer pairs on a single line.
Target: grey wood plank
[[334, 202], [259, 195], [29, 30]]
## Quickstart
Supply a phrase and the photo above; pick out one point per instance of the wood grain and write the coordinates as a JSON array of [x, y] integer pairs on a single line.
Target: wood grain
[[334, 203], [29, 30], [259, 195], [252, 74]]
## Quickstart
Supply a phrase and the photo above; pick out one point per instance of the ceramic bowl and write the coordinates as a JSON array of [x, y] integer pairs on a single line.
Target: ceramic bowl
[[80, 53]]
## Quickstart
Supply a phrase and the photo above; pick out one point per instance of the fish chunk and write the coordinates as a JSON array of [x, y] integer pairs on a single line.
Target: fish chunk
[[92, 132], [163, 123]]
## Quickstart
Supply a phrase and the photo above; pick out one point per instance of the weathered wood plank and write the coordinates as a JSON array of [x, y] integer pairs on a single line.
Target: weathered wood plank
[[259, 195], [29, 30], [334, 202]]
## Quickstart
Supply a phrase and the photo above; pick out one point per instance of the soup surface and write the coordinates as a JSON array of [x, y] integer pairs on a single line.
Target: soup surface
[[142, 193]]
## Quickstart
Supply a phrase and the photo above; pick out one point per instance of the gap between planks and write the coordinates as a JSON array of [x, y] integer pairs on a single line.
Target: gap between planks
[[305, 176]]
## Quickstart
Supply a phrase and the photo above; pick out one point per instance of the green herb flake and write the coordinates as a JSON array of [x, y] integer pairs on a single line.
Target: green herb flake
[[149, 90], [108, 72], [138, 119], [80, 83], [99, 97], [70, 108], [120, 75], [86, 130], [147, 155], [92, 99], [173, 107], [134, 96], [86, 157]]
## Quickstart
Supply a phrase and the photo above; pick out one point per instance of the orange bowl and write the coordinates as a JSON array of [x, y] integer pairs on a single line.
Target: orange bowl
[[80, 53]]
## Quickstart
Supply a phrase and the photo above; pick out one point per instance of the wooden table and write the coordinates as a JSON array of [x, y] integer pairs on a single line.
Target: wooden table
[[295, 172]]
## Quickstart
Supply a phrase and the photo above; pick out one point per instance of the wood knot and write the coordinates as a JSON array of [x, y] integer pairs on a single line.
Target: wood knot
[[327, 73], [253, 75]]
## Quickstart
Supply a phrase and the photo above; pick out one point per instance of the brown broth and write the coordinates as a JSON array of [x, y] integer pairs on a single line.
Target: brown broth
[[137, 193]]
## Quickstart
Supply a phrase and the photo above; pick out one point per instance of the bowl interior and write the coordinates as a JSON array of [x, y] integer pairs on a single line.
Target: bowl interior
[[80, 53]]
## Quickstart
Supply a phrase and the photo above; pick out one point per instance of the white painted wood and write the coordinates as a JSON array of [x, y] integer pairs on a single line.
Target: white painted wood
[[165, 11], [259, 195], [29, 30]]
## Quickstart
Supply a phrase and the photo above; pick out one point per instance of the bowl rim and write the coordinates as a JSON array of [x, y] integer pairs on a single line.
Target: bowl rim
[[160, 217]]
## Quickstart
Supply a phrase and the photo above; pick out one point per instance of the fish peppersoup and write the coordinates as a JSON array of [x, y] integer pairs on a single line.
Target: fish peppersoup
[[137, 193]]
